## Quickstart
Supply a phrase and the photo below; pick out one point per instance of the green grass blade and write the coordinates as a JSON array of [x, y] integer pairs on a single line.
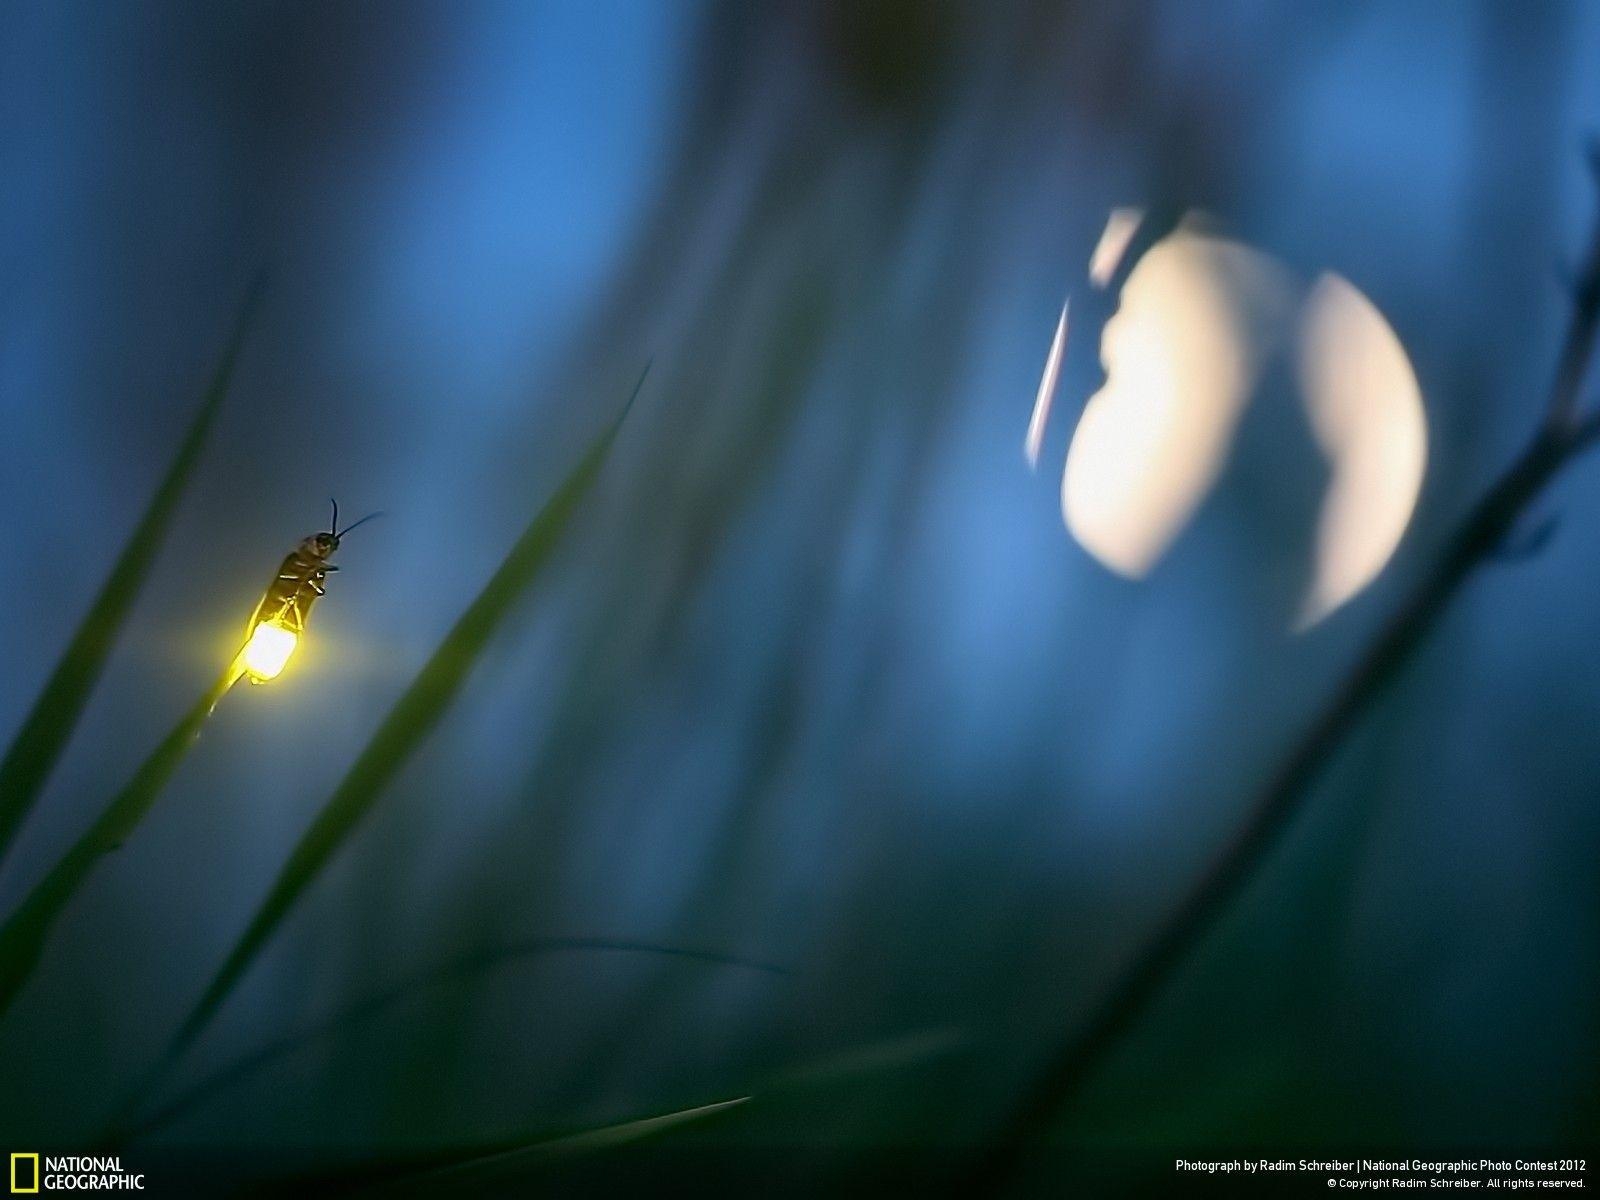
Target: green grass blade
[[475, 1166], [889, 1054], [23, 935], [407, 988], [410, 721], [44, 733], [584, 1142]]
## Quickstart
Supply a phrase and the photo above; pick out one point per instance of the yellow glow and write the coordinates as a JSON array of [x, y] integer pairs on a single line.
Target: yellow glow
[[1181, 356], [268, 650], [1365, 408]]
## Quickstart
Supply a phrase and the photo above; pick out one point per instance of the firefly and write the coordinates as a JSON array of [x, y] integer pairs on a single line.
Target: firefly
[[280, 619]]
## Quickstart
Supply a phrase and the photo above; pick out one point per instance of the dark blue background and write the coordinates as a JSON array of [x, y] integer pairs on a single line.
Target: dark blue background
[[821, 678]]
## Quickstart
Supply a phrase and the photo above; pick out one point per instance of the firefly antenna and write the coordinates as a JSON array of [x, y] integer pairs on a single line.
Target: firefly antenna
[[361, 522], [334, 524]]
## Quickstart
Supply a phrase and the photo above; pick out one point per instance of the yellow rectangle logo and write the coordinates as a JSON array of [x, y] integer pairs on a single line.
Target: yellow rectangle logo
[[18, 1185]]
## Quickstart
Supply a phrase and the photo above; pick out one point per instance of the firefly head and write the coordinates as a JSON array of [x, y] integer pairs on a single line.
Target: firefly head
[[323, 544]]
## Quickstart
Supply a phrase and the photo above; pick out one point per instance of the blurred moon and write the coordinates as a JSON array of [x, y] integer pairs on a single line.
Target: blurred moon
[[1365, 408], [1181, 356], [1198, 317]]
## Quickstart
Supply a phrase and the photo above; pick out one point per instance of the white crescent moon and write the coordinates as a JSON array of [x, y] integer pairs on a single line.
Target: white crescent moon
[[1365, 408]]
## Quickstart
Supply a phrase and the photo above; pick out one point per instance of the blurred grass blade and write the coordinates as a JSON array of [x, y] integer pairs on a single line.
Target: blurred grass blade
[[589, 1140], [478, 1166], [44, 733], [410, 720], [475, 1167], [407, 988], [23, 935], [890, 1054]]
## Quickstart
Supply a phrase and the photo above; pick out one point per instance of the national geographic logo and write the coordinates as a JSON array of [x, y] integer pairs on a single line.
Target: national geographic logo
[[70, 1173]]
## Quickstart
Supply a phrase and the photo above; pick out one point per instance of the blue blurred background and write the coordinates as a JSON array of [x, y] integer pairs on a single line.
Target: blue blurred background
[[821, 679]]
